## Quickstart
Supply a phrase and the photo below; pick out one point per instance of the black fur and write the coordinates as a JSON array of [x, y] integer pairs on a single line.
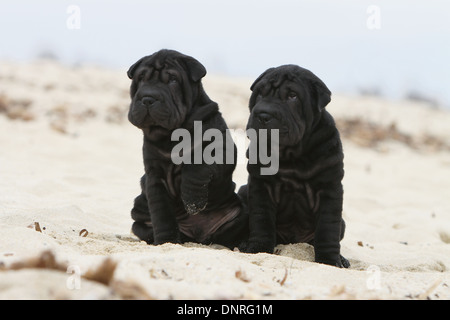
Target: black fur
[[302, 202], [184, 202]]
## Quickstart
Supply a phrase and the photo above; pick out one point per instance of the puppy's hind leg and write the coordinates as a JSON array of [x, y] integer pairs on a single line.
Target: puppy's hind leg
[[234, 232], [143, 232]]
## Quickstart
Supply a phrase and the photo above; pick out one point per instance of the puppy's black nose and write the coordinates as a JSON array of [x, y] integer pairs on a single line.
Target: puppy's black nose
[[264, 117], [148, 101]]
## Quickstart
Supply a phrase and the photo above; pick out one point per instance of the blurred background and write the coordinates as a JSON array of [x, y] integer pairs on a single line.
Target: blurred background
[[397, 49]]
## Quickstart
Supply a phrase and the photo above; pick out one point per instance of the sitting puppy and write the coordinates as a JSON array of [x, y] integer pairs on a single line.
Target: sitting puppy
[[186, 201], [302, 202]]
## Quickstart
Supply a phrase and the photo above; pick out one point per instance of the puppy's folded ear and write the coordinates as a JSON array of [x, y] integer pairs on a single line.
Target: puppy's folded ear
[[321, 93], [133, 68], [252, 87], [195, 69], [260, 77]]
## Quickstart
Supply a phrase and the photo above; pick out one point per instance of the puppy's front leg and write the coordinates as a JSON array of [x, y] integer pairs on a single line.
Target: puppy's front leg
[[195, 179], [262, 218], [328, 231], [162, 213]]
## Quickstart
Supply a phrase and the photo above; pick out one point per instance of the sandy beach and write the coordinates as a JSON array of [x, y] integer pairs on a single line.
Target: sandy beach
[[70, 164]]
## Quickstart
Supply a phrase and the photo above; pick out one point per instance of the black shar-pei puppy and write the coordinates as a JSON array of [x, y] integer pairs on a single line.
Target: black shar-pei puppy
[[302, 202], [185, 201]]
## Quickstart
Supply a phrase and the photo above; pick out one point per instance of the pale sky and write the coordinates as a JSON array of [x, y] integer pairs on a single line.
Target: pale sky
[[407, 48]]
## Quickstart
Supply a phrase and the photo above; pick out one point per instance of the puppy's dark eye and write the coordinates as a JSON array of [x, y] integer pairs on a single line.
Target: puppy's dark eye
[[141, 77], [292, 95], [173, 79]]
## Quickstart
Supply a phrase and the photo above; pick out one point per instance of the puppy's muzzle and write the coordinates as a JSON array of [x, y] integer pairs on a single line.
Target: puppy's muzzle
[[151, 100], [148, 101], [264, 118]]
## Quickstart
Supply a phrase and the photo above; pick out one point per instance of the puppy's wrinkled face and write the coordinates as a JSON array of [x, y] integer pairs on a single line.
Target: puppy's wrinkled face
[[163, 90], [287, 98]]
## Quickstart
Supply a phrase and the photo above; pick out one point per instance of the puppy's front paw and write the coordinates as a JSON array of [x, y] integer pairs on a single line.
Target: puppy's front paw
[[195, 207], [256, 247], [173, 237], [344, 262], [195, 200], [341, 262]]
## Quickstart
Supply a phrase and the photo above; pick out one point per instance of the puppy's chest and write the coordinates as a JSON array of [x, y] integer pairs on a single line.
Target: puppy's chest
[[294, 192], [172, 179]]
